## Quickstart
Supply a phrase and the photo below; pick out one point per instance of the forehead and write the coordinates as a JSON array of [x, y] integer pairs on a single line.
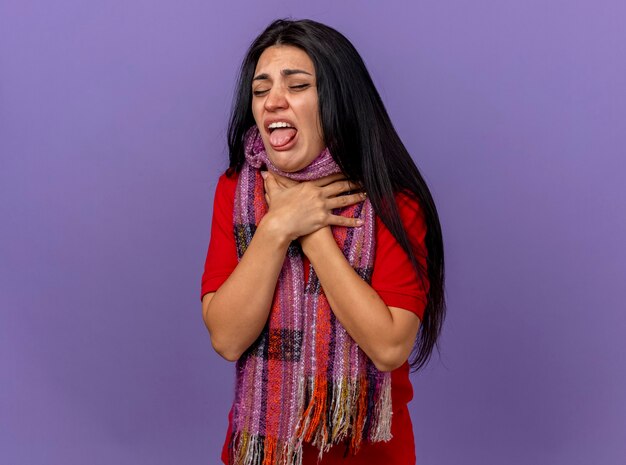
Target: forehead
[[278, 57]]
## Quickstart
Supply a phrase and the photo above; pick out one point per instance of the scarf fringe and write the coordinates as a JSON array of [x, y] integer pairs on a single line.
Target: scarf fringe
[[381, 421], [248, 449], [251, 449]]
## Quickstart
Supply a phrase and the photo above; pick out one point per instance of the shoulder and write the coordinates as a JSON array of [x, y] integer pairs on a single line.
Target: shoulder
[[226, 186], [411, 212], [408, 204], [228, 180], [413, 222]]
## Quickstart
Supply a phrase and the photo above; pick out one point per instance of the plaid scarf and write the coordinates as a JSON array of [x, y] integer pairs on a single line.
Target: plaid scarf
[[304, 378]]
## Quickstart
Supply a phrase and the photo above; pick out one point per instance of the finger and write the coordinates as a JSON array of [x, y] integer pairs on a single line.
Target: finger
[[338, 187], [324, 181], [339, 220], [267, 199], [345, 200], [270, 182]]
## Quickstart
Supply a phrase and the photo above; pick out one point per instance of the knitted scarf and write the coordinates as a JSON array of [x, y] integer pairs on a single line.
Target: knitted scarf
[[304, 378]]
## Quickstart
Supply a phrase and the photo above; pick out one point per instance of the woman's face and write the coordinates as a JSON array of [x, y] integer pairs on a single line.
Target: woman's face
[[284, 90]]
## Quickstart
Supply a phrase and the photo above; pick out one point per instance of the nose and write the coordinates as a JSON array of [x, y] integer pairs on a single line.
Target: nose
[[276, 99]]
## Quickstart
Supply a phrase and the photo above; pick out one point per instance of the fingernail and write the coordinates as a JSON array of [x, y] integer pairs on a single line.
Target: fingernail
[[359, 222], [264, 174]]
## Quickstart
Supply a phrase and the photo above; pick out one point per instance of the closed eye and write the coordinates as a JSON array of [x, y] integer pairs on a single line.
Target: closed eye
[[299, 87]]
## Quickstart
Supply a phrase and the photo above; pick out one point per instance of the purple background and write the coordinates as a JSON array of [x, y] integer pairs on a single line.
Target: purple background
[[112, 135]]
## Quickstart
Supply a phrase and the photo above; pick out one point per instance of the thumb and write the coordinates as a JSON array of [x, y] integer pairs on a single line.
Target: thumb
[[268, 180]]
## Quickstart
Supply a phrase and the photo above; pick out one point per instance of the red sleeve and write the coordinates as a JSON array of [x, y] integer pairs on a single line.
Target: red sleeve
[[393, 277], [221, 257]]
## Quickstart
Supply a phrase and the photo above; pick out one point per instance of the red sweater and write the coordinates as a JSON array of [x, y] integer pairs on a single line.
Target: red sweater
[[395, 281]]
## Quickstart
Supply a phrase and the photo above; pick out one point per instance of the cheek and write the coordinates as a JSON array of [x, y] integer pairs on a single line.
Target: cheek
[[313, 122], [255, 113], [318, 124], [257, 108]]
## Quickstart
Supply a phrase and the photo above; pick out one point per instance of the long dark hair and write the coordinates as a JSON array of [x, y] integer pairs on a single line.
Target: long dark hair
[[362, 140]]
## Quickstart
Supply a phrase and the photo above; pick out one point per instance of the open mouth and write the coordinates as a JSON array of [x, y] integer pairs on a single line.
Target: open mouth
[[282, 136]]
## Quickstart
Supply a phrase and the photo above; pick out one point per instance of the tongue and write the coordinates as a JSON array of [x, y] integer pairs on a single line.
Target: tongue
[[282, 136]]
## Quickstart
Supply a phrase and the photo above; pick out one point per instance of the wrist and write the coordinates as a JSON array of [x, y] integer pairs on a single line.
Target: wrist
[[314, 241], [272, 228]]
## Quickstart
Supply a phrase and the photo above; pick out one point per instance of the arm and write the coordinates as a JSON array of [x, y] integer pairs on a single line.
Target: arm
[[385, 334], [237, 312]]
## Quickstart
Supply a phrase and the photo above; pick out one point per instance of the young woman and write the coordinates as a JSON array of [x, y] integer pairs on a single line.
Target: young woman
[[325, 269]]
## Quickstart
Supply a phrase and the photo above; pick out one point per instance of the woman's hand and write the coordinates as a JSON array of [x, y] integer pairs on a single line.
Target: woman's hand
[[302, 208]]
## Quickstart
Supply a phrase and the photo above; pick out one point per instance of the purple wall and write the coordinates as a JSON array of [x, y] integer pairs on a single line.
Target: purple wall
[[112, 136]]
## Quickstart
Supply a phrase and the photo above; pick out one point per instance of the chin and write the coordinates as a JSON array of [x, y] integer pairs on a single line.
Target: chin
[[285, 161]]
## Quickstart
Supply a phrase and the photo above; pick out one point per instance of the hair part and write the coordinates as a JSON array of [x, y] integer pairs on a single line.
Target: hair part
[[362, 140]]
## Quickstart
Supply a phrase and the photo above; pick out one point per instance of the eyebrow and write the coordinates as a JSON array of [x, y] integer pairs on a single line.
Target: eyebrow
[[284, 72]]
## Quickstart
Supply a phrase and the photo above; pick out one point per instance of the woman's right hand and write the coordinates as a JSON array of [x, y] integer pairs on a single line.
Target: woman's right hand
[[300, 208]]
